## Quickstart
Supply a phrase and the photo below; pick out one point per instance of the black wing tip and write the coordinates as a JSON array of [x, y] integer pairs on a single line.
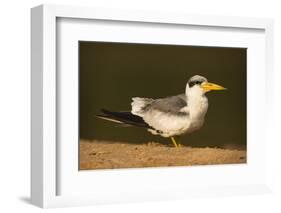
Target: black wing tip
[[105, 111], [103, 114], [124, 117], [106, 114], [100, 115]]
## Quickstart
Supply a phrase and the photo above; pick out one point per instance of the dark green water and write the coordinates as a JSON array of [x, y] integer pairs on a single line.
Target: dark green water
[[112, 73]]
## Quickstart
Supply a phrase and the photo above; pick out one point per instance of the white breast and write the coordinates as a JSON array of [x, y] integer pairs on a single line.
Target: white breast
[[198, 106]]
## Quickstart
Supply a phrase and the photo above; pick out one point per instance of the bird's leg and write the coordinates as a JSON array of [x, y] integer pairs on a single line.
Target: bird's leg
[[178, 139], [174, 142]]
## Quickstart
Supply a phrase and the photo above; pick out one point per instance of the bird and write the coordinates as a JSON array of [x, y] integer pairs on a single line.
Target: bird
[[169, 117]]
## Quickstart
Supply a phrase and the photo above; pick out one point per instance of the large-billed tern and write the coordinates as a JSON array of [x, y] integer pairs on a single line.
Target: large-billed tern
[[171, 116]]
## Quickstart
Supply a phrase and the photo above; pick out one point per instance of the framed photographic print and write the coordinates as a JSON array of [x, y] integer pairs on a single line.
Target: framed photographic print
[[130, 106]]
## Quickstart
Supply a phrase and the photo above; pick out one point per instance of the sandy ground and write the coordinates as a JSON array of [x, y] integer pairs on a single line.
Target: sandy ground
[[109, 155]]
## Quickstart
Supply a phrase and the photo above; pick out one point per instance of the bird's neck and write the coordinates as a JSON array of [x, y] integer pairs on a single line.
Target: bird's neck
[[197, 104]]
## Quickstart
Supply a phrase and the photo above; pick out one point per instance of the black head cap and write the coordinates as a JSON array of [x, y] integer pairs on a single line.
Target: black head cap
[[196, 80]]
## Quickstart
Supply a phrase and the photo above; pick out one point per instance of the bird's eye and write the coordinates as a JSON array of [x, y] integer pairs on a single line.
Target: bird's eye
[[192, 83]]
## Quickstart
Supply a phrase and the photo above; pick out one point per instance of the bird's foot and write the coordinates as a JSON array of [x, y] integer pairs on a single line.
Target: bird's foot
[[176, 145]]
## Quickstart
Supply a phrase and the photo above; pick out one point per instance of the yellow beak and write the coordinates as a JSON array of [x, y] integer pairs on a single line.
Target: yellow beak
[[210, 86]]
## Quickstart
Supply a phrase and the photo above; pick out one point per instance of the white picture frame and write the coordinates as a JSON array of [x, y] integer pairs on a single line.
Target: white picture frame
[[47, 161]]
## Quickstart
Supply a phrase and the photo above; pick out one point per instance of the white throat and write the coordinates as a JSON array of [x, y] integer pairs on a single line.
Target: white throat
[[197, 102]]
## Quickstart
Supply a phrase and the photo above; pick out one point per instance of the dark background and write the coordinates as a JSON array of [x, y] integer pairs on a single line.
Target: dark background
[[110, 74]]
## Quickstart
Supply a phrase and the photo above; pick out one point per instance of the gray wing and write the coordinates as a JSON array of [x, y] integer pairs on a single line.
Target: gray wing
[[172, 104]]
